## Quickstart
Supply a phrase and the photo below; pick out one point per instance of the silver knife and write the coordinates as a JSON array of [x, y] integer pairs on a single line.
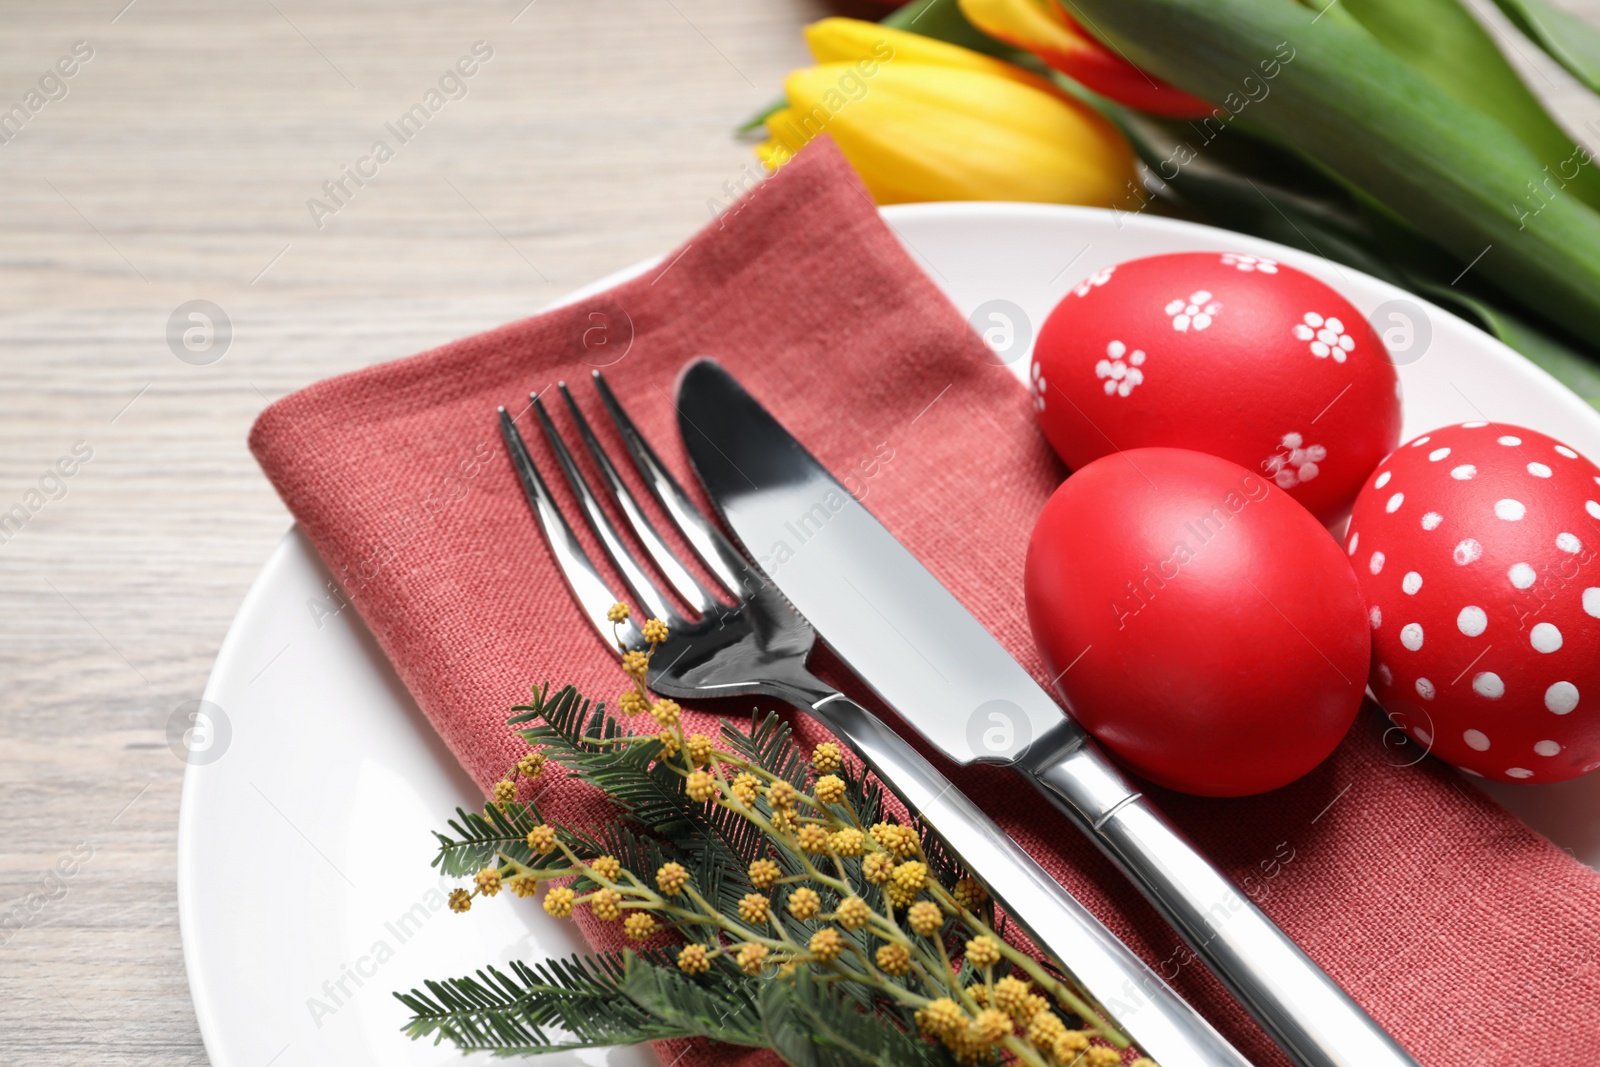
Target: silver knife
[[913, 643]]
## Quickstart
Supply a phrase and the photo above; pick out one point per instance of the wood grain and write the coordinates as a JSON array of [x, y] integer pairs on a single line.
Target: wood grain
[[178, 167]]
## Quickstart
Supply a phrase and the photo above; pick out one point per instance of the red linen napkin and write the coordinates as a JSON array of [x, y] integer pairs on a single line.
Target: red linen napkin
[[1470, 937]]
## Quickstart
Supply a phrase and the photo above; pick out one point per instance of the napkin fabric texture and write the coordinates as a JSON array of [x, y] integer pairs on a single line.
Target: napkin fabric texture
[[1468, 936]]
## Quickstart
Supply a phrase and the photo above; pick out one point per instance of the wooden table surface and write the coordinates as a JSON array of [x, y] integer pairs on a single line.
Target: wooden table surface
[[178, 166]]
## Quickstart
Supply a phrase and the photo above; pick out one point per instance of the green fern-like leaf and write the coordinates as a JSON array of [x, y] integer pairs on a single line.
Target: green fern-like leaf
[[635, 851], [811, 1025], [723, 1009], [478, 837], [611, 999], [769, 743], [715, 845], [497, 1011]]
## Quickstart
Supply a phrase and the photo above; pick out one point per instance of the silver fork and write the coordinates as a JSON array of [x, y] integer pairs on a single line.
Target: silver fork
[[756, 644]]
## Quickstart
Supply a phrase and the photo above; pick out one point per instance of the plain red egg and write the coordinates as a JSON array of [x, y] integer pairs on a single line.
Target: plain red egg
[[1227, 353], [1476, 547], [1201, 624]]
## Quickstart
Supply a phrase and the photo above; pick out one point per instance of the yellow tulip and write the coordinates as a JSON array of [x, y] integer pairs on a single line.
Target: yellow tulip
[[925, 120]]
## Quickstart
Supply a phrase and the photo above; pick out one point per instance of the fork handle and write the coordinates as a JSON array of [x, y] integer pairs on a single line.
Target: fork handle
[[1306, 1012], [1162, 1023]]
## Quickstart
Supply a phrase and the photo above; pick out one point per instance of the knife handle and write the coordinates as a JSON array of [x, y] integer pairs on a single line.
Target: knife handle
[[1305, 1011], [1163, 1025]]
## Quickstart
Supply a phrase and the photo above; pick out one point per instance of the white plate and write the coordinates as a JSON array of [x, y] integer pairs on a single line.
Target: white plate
[[305, 844]]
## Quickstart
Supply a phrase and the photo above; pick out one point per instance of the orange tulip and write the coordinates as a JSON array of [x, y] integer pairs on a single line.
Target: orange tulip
[[1043, 28]]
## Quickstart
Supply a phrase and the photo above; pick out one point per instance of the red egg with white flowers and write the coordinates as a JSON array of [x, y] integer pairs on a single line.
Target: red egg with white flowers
[[1231, 354], [1198, 622], [1476, 548]]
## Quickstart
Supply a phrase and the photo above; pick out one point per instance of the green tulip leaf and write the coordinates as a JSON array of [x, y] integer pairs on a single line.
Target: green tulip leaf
[[1243, 183], [759, 119], [1444, 42], [1254, 187], [1570, 40], [1331, 93]]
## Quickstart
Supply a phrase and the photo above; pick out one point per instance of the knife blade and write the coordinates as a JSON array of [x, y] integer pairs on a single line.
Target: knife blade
[[918, 648]]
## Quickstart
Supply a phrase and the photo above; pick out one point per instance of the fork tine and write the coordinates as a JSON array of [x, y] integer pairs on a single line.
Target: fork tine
[[684, 583], [650, 597], [594, 597], [718, 554]]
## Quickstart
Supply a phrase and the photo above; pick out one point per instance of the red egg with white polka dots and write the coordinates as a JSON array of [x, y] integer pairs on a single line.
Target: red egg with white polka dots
[[1476, 549], [1231, 354]]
